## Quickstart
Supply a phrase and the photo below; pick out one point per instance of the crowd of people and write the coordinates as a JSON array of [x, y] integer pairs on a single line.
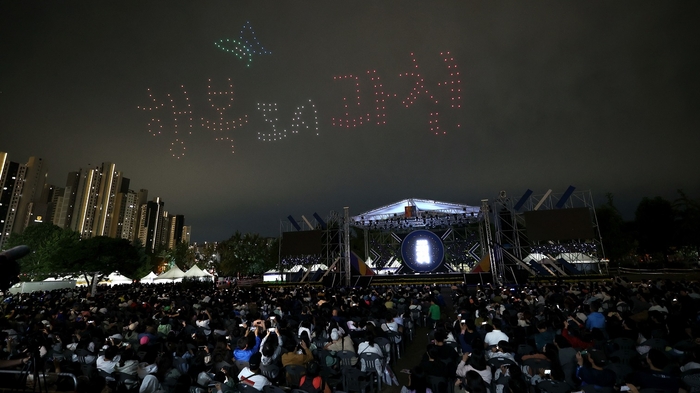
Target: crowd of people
[[195, 337], [600, 337]]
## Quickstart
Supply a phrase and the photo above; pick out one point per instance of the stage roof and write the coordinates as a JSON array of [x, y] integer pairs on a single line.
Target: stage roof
[[421, 213]]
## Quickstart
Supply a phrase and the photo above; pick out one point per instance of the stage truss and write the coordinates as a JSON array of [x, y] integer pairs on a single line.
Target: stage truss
[[510, 245], [332, 244]]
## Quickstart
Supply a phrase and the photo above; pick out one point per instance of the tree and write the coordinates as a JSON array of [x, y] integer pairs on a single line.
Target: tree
[[105, 255], [184, 256], [246, 254], [687, 213], [56, 250], [207, 256], [654, 222], [617, 239], [49, 245]]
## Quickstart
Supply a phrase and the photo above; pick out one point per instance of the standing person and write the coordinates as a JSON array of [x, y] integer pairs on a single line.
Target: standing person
[[434, 313]]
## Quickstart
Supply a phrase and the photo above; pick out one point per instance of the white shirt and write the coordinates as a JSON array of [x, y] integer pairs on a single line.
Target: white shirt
[[248, 377], [365, 348], [494, 337], [107, 365]]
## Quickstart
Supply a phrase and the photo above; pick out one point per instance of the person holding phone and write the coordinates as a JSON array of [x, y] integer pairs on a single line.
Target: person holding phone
[[271, 347], [591, 371], [247, 345], [657, 376]]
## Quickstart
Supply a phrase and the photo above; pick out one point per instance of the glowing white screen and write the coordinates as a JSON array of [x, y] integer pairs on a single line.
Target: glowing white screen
[[422, 251]]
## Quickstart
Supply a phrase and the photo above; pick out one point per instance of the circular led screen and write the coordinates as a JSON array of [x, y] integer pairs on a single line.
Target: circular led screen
[[422, 251]]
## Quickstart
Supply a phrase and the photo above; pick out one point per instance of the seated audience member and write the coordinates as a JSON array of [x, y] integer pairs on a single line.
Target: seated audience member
[[433, 366], [593, 372], [341, 343], [300, 356], [475, 362], [109, 360], [369, 346], [271, 347], [544, 336], [251, 375], [472, 383], [312, 381], [246, 346], [494, 336], [655, 377], [417, 382]]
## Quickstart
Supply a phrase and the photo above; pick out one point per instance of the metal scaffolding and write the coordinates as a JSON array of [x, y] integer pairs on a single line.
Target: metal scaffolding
[[510, 242]]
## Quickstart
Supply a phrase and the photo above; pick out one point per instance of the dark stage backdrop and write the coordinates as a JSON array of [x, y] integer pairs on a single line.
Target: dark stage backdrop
[[560, 224], [301, 243]]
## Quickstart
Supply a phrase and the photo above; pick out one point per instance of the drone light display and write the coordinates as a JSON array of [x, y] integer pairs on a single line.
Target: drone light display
[[443, 97], [245, 46], [181, 110], [269, 112]]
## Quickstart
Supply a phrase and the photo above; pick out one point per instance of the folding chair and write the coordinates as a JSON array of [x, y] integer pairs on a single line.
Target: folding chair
[[293, 373], [272, 389], [549, 386], [355, 380], [345, 358], [370, 361]]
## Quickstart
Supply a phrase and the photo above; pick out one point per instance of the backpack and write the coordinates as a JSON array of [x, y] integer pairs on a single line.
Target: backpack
[[315, 385]]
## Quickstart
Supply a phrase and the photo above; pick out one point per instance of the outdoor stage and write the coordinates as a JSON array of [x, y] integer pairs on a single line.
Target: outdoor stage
[[418, 241]]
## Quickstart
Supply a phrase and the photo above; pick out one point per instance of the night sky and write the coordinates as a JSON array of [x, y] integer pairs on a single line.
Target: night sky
[[602, 95]]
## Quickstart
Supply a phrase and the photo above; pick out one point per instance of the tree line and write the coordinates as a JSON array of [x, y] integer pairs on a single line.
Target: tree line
[[55, 251], [662, 231]]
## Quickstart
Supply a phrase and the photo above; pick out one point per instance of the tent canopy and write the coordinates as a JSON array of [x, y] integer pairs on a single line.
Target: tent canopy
[[149, 277], [115, 278], [536, 256], [173, 274], [195, 271]]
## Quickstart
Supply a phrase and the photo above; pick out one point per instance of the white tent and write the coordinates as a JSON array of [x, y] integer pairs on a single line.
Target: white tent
[[318, 266], [149, 277], [172, 275], [296, 269], [115, 278], [273, 275], [196, 272], [536, 256]]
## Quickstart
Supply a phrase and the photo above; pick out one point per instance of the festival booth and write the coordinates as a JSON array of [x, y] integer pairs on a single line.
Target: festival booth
[[115, 278], [199, 274], [273, 275], [172, 275], [148, 279], [294, 274]]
